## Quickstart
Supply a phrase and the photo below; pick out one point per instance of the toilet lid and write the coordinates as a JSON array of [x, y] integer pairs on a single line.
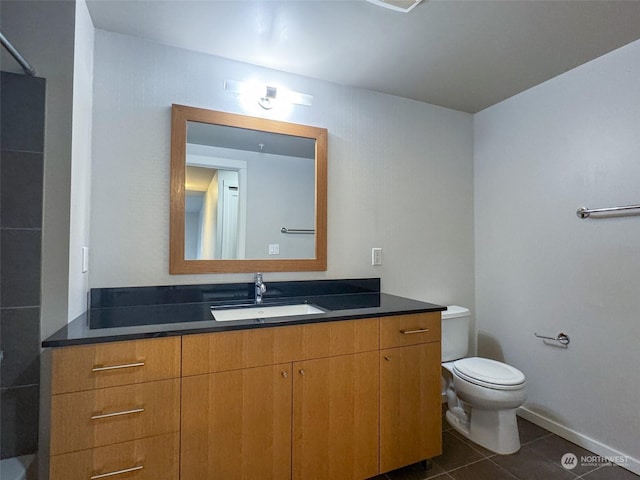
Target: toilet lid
[[488, 372]]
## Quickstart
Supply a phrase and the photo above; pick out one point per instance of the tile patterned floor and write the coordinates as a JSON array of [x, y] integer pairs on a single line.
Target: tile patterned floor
[[538, 459]]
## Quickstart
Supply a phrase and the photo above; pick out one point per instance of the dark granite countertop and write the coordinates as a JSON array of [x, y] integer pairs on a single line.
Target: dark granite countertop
[[143, 315]]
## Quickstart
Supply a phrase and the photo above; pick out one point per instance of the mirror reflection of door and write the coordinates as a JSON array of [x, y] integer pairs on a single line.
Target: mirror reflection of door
[[242, 187], [213, 214], [229, 223]]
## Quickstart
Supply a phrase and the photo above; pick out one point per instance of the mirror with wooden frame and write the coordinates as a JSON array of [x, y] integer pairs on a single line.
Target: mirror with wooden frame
[[247, 194]]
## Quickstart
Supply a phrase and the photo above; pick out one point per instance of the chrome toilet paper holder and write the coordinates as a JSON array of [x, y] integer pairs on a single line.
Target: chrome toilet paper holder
[[562, 339]]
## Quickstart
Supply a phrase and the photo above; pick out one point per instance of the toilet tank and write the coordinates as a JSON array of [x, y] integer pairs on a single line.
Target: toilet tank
[[455, 332]]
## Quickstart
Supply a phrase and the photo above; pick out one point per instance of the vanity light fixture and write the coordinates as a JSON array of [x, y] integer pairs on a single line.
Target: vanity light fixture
[[404, 6], [267, 100], [267, 96]]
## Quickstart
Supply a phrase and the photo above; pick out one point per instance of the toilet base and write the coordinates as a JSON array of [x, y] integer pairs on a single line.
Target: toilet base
[[495, 430]]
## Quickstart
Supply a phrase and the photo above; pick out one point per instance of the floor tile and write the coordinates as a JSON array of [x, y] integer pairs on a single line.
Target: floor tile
[[483, 470], [528, 465], [530, 431], [485, 452], [538, 459], [611, 472], [455, 453], [553, 447]]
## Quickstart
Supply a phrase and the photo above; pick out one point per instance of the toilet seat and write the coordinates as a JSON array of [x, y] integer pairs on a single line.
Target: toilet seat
[[489, 373]]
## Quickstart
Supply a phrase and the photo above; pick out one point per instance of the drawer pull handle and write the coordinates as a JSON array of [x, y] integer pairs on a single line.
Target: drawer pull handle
[[118, 472], [117, 414], [419, 330], [103, 368]]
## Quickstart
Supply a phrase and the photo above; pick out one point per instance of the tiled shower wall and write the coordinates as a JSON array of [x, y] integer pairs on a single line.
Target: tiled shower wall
[[22, 101]]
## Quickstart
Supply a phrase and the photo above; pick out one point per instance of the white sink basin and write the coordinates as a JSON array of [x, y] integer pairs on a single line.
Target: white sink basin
[[262, 311]]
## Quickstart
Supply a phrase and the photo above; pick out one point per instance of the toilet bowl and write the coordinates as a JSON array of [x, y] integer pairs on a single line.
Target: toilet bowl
[[482, 394]]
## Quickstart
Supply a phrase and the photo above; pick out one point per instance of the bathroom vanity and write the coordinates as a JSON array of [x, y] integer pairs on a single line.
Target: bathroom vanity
[[344, 394]]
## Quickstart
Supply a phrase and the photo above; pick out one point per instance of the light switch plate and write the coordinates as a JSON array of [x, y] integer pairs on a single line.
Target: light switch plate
[[274, 249], [376, 256], [85, 259]]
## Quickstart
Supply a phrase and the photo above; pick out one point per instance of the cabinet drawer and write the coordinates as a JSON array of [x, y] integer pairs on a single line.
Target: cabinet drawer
[[111, 364], [331, 339], [100, 417], [412, 329], [222, 351], [153, 458]]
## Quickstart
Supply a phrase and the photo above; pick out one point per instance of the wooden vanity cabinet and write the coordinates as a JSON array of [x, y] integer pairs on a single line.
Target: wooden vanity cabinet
[[343, 400], [115, 410], [237, 424], [102, 365], [335, 417], [152, 458], [410, 418], [244, 417]]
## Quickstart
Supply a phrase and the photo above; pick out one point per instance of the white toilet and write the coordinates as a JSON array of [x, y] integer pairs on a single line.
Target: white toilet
[[482, 394]]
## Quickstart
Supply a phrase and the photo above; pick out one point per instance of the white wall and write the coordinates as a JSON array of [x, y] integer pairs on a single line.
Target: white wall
[[81, 158], [191, 234], [572, 141], [400, 173], [281, 193]]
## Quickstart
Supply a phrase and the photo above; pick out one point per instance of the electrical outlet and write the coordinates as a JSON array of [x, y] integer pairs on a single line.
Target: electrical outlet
[[376, 256], [274, 249]]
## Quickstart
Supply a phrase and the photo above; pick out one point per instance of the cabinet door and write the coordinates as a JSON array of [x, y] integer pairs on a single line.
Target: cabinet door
[[335, 418], [237, 425], [410, 411]]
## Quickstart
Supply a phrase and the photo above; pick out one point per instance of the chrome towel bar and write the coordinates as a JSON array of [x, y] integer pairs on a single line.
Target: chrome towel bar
[[584, 212], [297, 231]]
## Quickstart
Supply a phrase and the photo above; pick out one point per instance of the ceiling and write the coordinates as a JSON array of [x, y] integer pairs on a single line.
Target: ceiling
[[464, 55]]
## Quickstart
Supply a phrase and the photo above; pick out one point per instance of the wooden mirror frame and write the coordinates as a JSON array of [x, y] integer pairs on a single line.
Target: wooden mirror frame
[[180, 115]]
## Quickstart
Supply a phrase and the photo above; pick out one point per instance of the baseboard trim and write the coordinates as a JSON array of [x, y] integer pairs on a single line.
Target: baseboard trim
[[631, 464]]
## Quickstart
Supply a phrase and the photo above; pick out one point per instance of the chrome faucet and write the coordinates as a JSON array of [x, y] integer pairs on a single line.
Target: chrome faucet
[[260, 287]]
